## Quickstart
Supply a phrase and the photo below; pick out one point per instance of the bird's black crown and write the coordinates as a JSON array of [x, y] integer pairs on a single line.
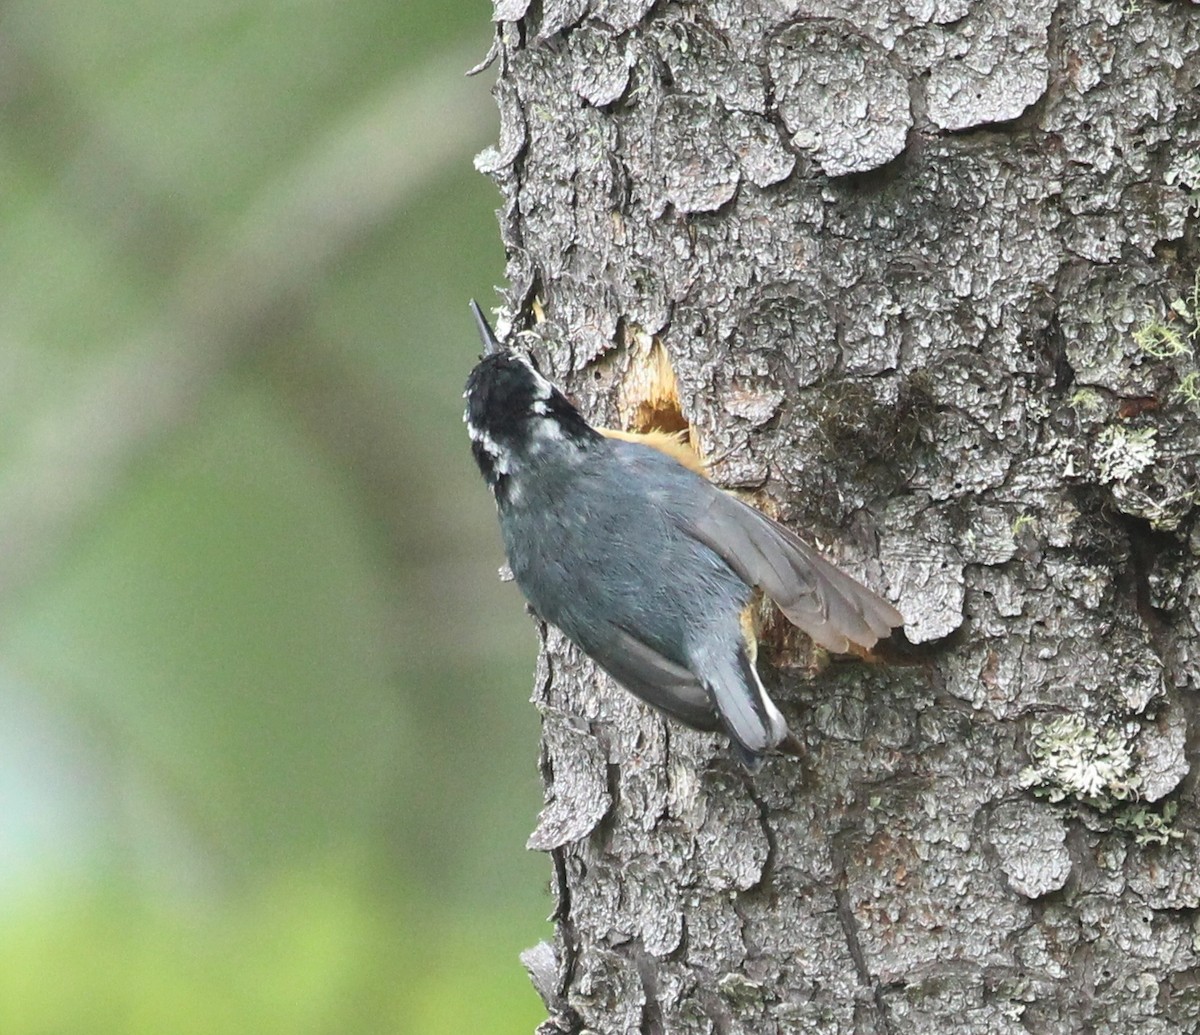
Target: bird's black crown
[[513, 412]]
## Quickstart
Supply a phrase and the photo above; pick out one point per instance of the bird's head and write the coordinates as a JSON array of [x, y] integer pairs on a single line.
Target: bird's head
[[515, 417]]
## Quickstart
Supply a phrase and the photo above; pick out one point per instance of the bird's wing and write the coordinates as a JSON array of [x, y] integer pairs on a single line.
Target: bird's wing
[[834, 609], [656, 679], [728, 695]]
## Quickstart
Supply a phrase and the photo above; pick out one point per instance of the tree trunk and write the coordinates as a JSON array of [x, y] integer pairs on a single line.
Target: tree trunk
[[913, 266]]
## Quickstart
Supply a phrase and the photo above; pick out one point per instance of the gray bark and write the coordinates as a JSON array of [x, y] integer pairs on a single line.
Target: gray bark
[[905, 258]]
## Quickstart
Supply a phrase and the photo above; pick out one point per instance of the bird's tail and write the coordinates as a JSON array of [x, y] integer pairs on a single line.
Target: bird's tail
[[754, 724]]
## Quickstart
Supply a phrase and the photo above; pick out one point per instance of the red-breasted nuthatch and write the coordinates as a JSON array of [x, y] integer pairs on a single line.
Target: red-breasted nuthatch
[[646, 566]]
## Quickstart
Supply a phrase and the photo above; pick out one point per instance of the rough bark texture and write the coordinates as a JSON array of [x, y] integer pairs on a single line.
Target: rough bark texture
[[913, 262]]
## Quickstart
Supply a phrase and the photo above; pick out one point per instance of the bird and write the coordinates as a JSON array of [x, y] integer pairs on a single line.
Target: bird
[[644, 564]]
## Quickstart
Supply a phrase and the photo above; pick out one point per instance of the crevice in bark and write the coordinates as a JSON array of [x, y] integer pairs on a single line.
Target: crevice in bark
[[612, 779], [768, 866], [562, 918], [845, 912], [1054, 353], [1145, 544], [651, 1022], [1057, 78], [1186, 791], [1099, 535]]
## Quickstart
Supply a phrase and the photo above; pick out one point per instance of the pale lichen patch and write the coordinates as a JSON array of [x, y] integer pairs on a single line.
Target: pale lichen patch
[[1074, 759]]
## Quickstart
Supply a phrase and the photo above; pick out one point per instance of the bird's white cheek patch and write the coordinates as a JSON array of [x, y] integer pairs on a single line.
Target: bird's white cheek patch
[[490, 446]]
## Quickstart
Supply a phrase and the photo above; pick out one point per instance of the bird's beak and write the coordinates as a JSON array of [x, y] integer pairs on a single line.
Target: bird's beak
[[486, 334]]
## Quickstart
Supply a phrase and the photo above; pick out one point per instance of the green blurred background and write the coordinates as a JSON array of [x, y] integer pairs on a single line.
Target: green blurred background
[[267, 761]]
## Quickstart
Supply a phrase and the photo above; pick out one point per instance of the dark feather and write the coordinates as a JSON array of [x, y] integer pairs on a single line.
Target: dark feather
[[728, 696], [824, 602], [657, 680]]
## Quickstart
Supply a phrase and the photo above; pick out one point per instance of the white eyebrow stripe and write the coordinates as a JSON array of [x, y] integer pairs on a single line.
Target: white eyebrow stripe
[[544, 388]]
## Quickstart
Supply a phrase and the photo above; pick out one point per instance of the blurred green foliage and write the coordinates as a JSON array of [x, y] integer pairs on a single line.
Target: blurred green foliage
[[268, 761], [309, 954]]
